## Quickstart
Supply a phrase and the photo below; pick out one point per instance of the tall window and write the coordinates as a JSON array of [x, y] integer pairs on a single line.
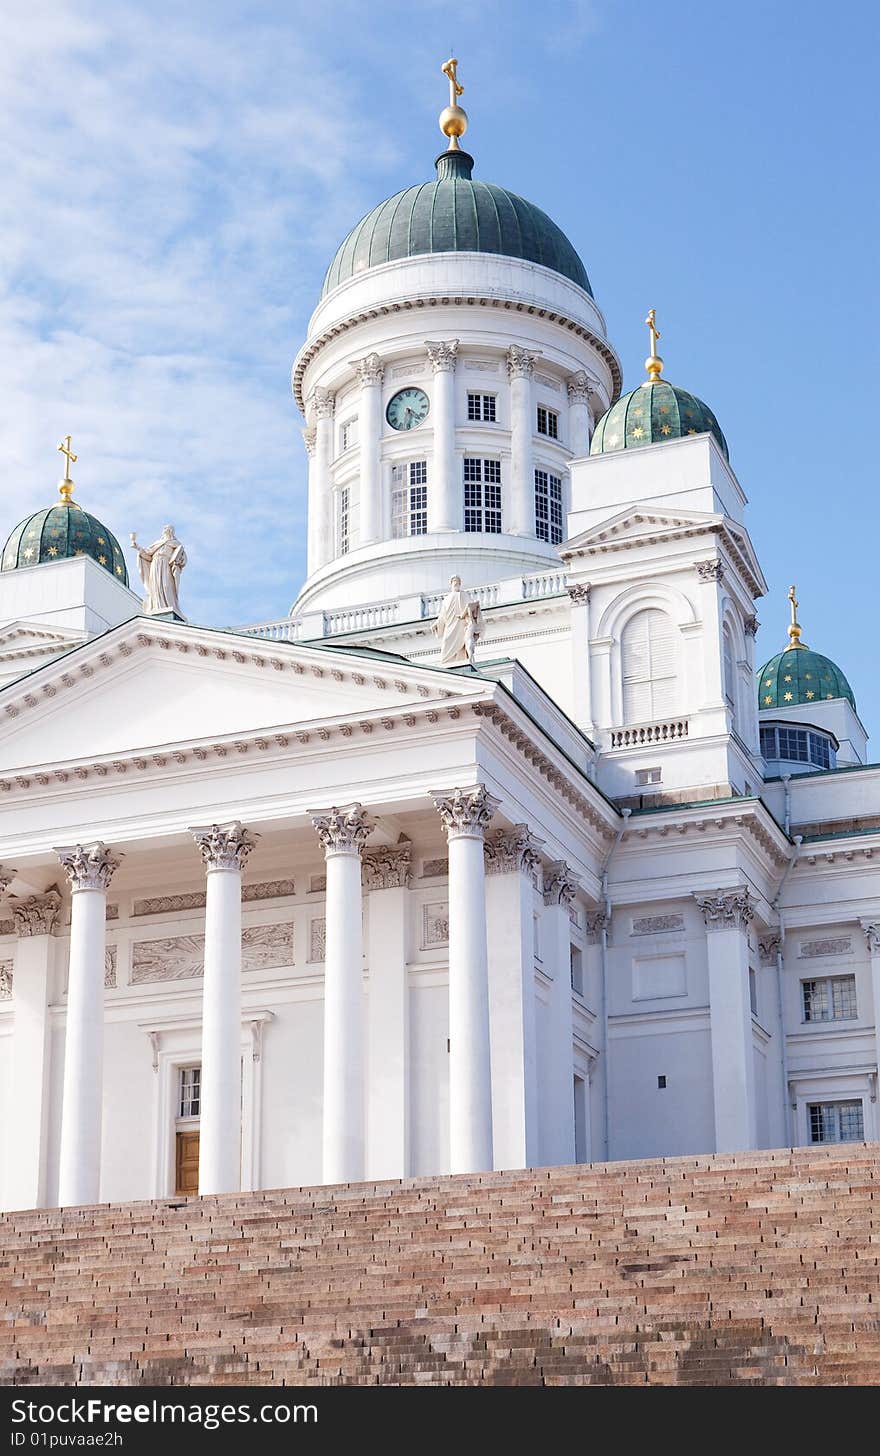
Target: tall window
[[729, 674], [833, 998], [836, 1122], [482, 495], [348, 433], [548, 422], [482, 407], [548, 507], [190, 1091], [343, 520], [409, 498], [649, 662]]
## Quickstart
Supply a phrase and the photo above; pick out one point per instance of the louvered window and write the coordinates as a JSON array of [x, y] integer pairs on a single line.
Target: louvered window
[[650, 667], [729, 677]]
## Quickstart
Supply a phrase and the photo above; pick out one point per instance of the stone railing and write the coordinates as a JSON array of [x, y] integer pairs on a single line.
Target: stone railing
[[285, 630], [544, 584], [360, 619], [647, 733], [487, 596]]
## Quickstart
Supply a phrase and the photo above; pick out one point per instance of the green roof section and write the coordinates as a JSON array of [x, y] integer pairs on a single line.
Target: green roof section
[[655, 412], [455, 214], [58, 533], [800, 676]]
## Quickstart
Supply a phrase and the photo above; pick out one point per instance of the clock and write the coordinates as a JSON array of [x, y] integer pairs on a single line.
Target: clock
[[407, 408]]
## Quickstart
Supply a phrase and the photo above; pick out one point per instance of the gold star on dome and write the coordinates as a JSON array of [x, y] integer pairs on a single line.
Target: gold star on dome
[[788, 697], [28, 553], [787, 677], [665, 429], [664, 409], [101, 541], [53, 550], [613, 439], [810, 693], [768, 700], [692, 431], [829, 696], [808, 676], [119, 571], [638, 432], [102, 560]]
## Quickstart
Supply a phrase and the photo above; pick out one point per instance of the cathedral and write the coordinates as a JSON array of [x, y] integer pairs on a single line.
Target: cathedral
[[502, 849]]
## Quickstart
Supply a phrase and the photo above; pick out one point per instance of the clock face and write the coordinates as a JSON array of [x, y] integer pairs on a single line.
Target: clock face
[[407, 409]]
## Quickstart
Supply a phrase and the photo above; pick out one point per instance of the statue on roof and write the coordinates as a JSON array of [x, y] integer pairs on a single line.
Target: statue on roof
[[459, 626], [160, 567]]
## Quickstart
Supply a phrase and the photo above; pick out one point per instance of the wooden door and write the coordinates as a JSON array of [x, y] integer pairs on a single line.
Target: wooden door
[[187, 1178]]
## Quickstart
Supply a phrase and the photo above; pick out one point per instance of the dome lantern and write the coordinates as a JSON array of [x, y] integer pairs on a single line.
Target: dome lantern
[[62, 531]]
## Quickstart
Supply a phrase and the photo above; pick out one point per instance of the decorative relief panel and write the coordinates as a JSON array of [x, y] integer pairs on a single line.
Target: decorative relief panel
[[5, 980], [548, 382], [317, 940], [435, 868], [406, 371], [657, 924], [833, 946], [182, 957], [317, 884], [482, 366], [435, 925], [110, 966], [197, 899]]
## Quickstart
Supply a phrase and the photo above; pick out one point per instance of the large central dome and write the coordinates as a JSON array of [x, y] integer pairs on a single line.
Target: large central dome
[[455, 214]]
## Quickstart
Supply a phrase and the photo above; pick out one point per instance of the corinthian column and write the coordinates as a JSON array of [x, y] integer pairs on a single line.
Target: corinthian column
[[26, 1132], [579, 390], [224, 850], [727, 914], [325, 402], [309, 435], [370, 374], [521, 504], [444, 487], [89, 872], [465, 814], [343, 833]]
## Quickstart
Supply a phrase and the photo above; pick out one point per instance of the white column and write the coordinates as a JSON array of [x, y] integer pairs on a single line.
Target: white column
[[386, 877], [711, 575], [872, 936], [26, 1132], [89, 872], [445, 510], [521, 500], [370, 373], [580, 388], [324, 402], [342, 833], [224, 849], [465, 814], [309, 435], [727, 914], [581, 679], [511, 860], [560, 888]]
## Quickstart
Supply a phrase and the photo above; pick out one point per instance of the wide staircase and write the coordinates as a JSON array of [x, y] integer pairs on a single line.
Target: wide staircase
[[747, 1269]]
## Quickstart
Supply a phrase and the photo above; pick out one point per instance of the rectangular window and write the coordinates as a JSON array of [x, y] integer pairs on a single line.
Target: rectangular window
[[645, 776], [548, 507], [482, 495], [348, 434], [820, 751], [836, 1122], [482, 407], [548, 422], [344, 520], [832, 998], [577, 970], [409, 498], [793, 745], [190, 1091]]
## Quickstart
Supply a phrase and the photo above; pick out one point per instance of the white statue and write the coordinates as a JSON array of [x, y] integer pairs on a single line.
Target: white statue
[[160, 566], [459, 626]]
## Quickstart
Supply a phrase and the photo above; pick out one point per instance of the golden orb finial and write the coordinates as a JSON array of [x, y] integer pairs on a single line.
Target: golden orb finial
[[453, 118], [653, 363], [794, 631], [65, 486]]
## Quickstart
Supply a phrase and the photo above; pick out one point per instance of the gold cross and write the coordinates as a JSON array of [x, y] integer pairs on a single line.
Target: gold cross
[[653, 363], [450, 69], [652, 329], [794, 631], [71, 459]]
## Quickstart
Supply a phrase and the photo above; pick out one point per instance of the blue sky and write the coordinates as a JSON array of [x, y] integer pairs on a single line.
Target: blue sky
[[177, 179]]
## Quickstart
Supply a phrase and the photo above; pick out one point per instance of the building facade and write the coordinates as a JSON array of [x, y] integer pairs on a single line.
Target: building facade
[[297, 903]]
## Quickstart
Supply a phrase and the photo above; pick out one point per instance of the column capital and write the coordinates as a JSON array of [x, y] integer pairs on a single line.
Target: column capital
[[513, 850], [561, 884], [342, 831], [751, 625], [595, 921], [710, 570], [520, 362], [769, 946], [223, 846], [581, 388], [370, 369], [324, 401], [89, 868], [442, 354], [387, 867], [310, 439], [580, 593], [872, 935], [6, 877], [465, 811], [726, 909], [36, 915]]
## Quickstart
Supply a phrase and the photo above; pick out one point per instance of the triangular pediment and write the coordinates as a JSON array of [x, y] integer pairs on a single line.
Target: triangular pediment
[[147, 685], [633, 527]]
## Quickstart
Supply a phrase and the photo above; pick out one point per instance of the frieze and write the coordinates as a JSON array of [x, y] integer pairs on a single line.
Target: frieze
[[831, 946], [435, 869], [656, 924], [197, 899], [182, 957]]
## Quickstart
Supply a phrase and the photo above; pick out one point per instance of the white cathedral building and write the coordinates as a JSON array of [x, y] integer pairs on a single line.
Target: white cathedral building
[[532, 869]]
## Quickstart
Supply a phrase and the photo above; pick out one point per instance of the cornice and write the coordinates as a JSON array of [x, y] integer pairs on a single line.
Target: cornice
[[470, 299], [669, 528], [724, 818]]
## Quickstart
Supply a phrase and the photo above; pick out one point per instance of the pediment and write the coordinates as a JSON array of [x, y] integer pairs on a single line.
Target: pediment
[[21, 638], [633, 526], [147, 686]]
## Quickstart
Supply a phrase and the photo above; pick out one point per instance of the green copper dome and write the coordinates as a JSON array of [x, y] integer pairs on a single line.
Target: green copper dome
[[59, 532], [797, 676], [654, 412], [454, 214]]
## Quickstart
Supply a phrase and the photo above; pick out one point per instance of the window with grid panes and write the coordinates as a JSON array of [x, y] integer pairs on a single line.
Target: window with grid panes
[[348, 434], [190, 1102], [482, 495], [482, 407], [548, 422], [343, 521], [409, 498], [830, 998], [836, 1122], [548, 507]]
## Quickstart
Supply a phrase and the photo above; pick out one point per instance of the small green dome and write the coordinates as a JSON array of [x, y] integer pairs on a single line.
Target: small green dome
[[454, 214], [654, 412], [59, 532], [797, 676]]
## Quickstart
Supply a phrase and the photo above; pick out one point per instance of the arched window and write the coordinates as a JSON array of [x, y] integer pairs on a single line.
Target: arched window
[[649, 660], [729, 670]]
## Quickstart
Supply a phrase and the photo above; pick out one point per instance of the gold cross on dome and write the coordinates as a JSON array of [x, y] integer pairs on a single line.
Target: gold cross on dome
[[70, 458], [653, 363]]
